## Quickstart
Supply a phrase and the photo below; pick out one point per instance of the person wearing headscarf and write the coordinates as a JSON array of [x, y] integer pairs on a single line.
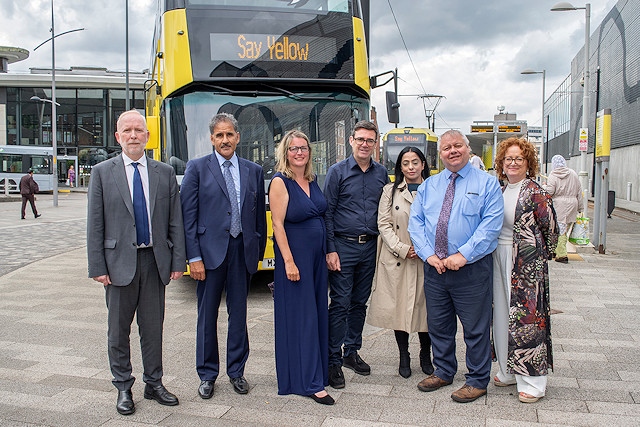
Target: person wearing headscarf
[[563, 185]]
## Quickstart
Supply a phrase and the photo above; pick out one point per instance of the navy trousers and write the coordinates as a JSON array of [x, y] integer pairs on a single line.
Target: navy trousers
[[467, 294], [232, 276]]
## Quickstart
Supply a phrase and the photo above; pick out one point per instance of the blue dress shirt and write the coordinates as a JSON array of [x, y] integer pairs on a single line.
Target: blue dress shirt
[[476, 214], [352, 199]]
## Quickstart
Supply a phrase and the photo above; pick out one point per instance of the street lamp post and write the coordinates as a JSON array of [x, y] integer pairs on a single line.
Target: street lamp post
[[54, 104], [583, 174], [543, 151]]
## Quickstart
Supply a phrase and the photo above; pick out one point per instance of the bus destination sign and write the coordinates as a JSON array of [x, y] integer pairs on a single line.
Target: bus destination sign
[[271, 48]]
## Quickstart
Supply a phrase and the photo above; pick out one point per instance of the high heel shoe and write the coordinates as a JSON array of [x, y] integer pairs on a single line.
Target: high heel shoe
[[404, 368]]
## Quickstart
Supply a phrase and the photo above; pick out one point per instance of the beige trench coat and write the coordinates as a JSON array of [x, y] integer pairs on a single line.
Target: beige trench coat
[[397, 298]]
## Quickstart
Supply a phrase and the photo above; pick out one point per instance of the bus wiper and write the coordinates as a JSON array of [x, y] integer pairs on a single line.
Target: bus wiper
[[252, 93], [301, 97]]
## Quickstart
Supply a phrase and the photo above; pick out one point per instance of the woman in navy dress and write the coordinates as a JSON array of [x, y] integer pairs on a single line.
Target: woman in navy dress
[[300, 294]]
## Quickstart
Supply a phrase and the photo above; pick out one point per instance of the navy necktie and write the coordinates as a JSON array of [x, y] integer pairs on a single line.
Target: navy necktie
[[236, 227], [442, 229], [140, 208]]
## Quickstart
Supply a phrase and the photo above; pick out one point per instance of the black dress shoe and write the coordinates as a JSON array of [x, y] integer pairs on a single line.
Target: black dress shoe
[[355, 362], [325, 400], [160, 395], [37, 215], [125, 405], [336, 377], [240, 385], [205, 390]]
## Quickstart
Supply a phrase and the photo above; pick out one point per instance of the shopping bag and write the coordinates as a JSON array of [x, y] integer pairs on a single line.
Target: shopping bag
[[580, 232]]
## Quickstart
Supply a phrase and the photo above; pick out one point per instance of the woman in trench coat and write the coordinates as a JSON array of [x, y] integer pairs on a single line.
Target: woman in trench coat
[[397, 298]]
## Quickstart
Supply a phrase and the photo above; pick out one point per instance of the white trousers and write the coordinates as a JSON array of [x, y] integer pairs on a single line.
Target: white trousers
[[502, 266]]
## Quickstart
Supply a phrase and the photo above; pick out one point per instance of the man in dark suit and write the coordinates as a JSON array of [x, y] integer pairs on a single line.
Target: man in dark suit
[[28, 189], [135, 245], [223, 206]]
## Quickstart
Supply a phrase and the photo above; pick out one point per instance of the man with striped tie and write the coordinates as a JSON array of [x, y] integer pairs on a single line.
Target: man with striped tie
[[135, 246]]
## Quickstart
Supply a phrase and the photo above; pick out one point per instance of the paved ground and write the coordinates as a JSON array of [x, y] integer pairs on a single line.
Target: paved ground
[[54, 371]]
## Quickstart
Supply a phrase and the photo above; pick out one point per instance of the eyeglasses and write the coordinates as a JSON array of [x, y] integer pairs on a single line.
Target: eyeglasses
[[516, 160], [301, 149], [370, 142]]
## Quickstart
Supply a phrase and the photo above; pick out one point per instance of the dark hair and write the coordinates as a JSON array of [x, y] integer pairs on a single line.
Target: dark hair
[[399, 176], [364, 124]]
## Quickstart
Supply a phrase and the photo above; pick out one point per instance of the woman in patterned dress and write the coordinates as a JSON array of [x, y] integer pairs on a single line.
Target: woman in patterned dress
[[521, 322]]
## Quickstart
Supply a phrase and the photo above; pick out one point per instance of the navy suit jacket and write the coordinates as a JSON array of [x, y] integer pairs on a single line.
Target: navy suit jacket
[[206, 212]]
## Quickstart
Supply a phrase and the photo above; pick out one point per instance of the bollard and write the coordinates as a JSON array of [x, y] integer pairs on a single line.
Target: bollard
[[628, 191]]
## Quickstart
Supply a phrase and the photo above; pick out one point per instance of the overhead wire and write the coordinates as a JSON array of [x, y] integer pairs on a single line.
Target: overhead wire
[[410, 58]]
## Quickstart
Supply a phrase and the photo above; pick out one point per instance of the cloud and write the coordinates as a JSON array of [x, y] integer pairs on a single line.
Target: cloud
[[469, 51]]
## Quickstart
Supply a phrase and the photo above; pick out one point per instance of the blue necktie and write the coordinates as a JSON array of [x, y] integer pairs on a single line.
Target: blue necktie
[[442, 229], [236, 227], [140, 208]]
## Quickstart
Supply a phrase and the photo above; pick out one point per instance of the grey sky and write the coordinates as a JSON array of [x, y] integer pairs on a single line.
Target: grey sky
[[469, 51]]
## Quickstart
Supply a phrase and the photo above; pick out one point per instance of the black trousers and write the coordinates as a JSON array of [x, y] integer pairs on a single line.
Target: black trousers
[[143, 297]]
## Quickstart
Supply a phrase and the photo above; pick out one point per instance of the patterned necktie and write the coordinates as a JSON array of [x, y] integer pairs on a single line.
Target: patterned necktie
[[236, 227], [442, 241], [140, 208]]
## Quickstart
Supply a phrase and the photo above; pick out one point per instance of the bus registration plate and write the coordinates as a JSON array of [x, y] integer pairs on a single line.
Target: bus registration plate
[[268, 263]]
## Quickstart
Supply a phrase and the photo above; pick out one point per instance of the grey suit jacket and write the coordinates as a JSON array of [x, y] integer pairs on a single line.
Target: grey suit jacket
[[111, 232]]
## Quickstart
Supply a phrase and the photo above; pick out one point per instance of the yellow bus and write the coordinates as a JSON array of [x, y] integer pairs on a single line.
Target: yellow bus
[[396, 139], [275, 65]]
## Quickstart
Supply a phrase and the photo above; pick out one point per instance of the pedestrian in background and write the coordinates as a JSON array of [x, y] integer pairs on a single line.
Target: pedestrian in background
[[397, 296], [71, 176], [454, 225], [223, 206], [300, 277], [352, 188], [28, 189], [135, 246], [476, 161], [521, 321], [563, 185]]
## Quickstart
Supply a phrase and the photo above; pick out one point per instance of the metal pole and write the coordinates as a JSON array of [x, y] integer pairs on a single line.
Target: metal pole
[[543, 156], [127, 102], [583, 174], [54, 117]]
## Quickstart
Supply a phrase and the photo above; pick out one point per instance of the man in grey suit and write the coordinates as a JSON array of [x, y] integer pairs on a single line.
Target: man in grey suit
[[135, 245], [223, 205]]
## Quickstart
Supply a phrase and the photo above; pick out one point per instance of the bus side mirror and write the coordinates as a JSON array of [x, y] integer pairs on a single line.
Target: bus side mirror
[[153, 124], [393, 107]]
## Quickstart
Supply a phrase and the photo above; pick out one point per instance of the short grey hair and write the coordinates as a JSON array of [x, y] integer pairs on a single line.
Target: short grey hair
[[223, 117], [453, 133]]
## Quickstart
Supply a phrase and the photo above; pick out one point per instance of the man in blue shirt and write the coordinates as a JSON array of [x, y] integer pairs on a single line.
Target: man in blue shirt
[[353, 188], [458, 281]]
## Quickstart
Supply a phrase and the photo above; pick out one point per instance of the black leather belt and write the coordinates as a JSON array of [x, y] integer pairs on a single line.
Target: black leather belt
[[362, 238]]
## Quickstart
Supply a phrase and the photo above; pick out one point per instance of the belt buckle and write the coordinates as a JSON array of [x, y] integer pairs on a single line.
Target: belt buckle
[[362, 238]]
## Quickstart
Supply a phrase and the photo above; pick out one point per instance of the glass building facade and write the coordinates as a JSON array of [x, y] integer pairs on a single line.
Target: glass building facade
[[86, 117]]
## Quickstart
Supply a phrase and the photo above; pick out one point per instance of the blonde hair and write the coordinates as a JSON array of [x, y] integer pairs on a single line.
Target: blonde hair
[[282, 162], [529, 153]]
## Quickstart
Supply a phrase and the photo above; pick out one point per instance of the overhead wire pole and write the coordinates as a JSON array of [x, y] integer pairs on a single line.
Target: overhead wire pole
[[54, 104], [127, 102]]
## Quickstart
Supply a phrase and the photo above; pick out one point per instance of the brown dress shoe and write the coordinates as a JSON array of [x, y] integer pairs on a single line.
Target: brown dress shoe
[[468, 393], [432, 383]]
